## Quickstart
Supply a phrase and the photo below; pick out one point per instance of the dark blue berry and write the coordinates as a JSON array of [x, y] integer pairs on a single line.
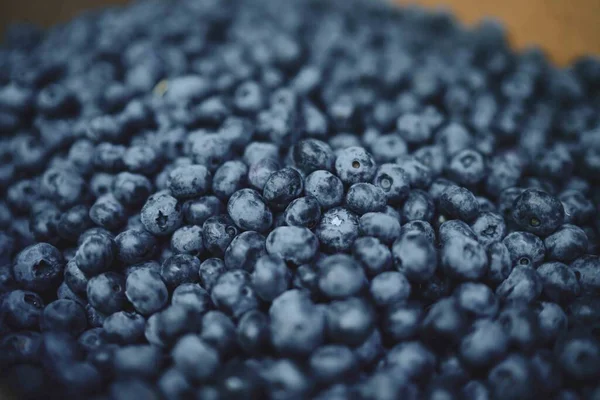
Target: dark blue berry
[[244, 250], [106, 292], [38, 267], [248, 210], [197, 211], [374, 256], [337, 230], [538, 212], [96, 254], [415, 256], [282, 187], [327, 188], [146, 291]]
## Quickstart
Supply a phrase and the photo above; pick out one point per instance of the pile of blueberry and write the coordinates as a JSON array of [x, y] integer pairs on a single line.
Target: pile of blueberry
[[292, 199]]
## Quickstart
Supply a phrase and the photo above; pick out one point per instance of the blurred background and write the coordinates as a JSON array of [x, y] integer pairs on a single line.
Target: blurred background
[[565, 29]]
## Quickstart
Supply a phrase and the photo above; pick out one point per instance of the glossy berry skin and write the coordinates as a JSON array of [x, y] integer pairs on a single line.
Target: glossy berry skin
[[22, 309], [197, 211], [538, 212], [209, 272], [108, 212], [374, 256], [106, 292], [304, 212], [460, 203], [189, 181], [64, 316], [500, 263], [489, 227], [230, 177], [418, 206], [355, 164], [401, 321], [294, 244], [340, 276], [161, 214], [365, 197], [96, 254], [282, 187], [73, 223], [260, 171], [38, 267], [467, 168], [248, 210], [124, 327], [180, 269], [131, 189], [337, 230], [566, 244], [522, 285], [485, 343], [349, 321], [464, 259], [415, 257], [146, 291], [244, 250], [271, 277], [525, 248], [311, 154], [187, 240], [217, 232], [233, 293], [63, 187], [292, 309], [327, 188], [560, 282], [380, 225], [394, 181], [477, 299]]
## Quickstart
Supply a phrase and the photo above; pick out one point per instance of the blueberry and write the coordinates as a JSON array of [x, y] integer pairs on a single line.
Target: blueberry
[[138, 360], [578, 208], [91, 340], [210, 150], [355, 164], [248, 210], [106, 292], [282, 187], [253, 333], [418, 206], [161, 214], [362, 198], [210, 270], [38, 267], [445, 323], [108, 212], [566, 244], [124, 327], [382, 226], [374, 256], [173, 384], [511, 378], [477, 299], [419, 175], [174, 322], [340, 276], [109, 157], [578, 356], [63, 187], [257, 151], [22, 309], [415, 256], [270, 277], [192, 296], [386, 148], [233, 293], [197, 211], [586, 271], [188, 350], [244, 251], [463, 258], [230, 177], [538, 212], [432, 157], [522, 285], [370, 350], [260, 171], [187, 240], [489, 227], [327, 188], [311, 154], [552, 321], [101, 184], [337, 230], [467, 167], [460, 203], [303, 212], [126, 388], [332, 363], [297, 325], [146, 291], [411, 359], [64, 316], [73, 222], [413, 128], [349, 321], [485, 343], [401, 321], [500, 263], [294, 244], [218, 330], [285, 379], [180, 269], [96, 254], [525, 248], [559, 281]]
